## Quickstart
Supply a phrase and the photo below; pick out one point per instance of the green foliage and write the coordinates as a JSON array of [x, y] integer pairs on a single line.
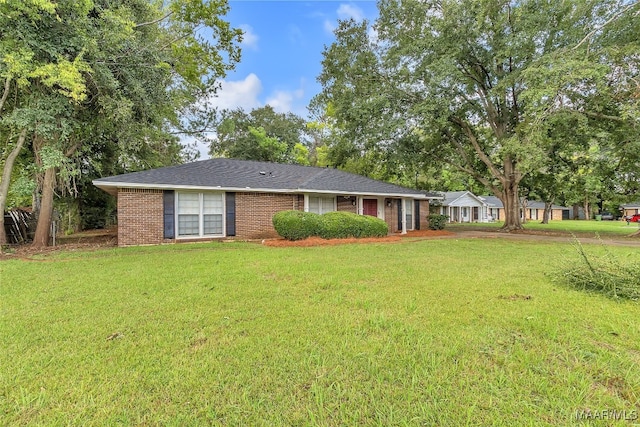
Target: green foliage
[[104, 87], [270, 149], [21, 191], [261, 134], [296, 225], [605, 274], [437, 221], [479, 86], [340, 225]]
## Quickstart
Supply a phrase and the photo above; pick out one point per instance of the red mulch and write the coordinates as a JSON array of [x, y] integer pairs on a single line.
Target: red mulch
[[317, 241], [99, 239]]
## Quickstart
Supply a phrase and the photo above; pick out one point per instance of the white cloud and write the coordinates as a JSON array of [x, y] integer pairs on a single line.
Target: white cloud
[[344, 12], [296, 35], [231, 95], [373, 35], [349, 11], [283, 101], [245, 94], [200, 147], [249, 38], [238, 94], [329, 27]]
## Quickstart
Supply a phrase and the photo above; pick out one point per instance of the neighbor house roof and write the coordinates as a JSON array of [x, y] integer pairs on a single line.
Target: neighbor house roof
[[494, 202], [631, 205], [451, 197], [245, 175]]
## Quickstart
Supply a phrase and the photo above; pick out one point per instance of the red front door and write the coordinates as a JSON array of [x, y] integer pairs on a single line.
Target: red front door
[[370, 207]]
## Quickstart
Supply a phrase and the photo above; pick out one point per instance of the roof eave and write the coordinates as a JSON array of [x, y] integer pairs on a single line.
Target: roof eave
[[112, 188]]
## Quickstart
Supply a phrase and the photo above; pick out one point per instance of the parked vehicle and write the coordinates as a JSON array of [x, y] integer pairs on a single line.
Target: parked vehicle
[[607, 216]]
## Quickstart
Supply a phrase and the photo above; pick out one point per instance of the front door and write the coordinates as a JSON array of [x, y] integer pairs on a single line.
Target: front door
[[370, 207]]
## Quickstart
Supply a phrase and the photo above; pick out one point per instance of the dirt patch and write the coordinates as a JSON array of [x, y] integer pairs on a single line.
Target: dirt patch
[[84, 240], [515, 297], [317, 241]]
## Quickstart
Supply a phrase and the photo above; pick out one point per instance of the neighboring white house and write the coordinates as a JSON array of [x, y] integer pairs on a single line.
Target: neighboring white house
[[464, 206]]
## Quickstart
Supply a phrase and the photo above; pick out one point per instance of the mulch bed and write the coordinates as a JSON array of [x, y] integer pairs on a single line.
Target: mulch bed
[[100, 239], [317, 241]]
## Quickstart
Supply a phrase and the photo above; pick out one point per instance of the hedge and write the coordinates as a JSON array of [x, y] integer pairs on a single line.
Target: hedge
[[297, 225], [437, 222]]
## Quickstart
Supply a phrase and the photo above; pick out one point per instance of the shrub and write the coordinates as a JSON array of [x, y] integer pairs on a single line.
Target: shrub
[[437, 221], [339, 225], [296, 225], [604, 274], [373, 227]]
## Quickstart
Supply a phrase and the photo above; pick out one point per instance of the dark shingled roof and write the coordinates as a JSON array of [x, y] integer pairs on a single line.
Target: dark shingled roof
[[494, 202], [238, 175]]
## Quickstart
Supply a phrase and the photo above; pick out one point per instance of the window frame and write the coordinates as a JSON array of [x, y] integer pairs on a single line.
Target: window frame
[[321, 197], [409, 213], [201, 215]]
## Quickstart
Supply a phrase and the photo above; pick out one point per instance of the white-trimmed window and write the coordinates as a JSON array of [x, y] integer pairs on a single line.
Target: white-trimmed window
[[321, 204], [408, 211], [199, 214]]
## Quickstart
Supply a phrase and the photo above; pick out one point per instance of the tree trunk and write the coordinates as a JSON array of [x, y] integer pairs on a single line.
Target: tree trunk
[[547, 212], [587, 210], [511, 204], [6, 180], [43, 228]]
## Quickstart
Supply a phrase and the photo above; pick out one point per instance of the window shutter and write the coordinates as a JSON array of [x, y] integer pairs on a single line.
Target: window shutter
[[169, 207], [230, 199], [399, 214], [417, 214]]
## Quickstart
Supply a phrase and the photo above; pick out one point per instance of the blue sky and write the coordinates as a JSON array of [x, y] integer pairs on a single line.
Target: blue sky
[[282, 51]]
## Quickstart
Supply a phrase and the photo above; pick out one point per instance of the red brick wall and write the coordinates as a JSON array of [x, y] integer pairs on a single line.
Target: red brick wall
[[347, 205], [140, 219], [255, 210], [140, 214], [391, 215], [424, 214]]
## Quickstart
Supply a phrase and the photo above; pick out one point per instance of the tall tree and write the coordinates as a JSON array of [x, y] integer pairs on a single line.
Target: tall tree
[[262, 134], [120, 71], [471, 80]]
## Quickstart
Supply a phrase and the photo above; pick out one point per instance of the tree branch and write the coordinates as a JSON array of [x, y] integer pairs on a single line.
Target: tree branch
[[476, 146], [154, 21], [603, 116], [613, 18], [5, 93]]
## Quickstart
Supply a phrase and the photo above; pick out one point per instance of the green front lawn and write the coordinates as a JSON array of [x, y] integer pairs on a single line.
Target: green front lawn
[[577, 227], [430, 332]]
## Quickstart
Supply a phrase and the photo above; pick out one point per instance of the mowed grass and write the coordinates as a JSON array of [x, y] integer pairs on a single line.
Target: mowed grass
[[426, 332], [577, 227]]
